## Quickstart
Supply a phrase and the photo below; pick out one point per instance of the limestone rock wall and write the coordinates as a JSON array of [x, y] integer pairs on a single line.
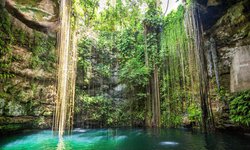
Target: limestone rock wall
[[240, 69], [231, 33], [27, 94]]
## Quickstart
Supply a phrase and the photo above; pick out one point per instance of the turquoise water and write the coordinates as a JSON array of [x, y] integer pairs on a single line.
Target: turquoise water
[[126, 139]]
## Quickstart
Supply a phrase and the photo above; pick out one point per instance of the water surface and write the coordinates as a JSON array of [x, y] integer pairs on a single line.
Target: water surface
[[126, 139]]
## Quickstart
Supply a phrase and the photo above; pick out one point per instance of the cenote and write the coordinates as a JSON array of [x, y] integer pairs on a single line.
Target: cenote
[[75, 73], [127, 139]]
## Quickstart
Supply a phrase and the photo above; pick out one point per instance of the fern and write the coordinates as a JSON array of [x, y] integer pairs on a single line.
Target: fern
[[240, 109]]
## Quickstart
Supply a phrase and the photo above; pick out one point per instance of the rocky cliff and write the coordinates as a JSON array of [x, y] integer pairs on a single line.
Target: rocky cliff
[[27, 76], [230, 31]]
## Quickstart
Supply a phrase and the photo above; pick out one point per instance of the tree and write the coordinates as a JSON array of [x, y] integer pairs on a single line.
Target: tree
[[152, 27]]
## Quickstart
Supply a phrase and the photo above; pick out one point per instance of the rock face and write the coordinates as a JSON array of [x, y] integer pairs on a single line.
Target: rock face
[[240, 70], [47, 5], [232, 29], [27, 95], [231, 32]]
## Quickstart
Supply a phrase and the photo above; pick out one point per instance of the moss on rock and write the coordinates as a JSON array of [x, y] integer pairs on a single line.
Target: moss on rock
[[15, 109], [234, 27], [30, 57]]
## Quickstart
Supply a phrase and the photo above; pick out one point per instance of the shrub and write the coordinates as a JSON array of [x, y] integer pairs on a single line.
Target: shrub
[[240, 108]]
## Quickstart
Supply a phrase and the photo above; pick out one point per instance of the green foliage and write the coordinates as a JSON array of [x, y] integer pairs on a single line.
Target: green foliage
[[29, 2], [189, 2], [173, 61], [6, 39], [6, 75], [194, 113], [10, 128], [35, 62], [21, 38], [43, 53], [153, 26], [240, 108], [137, 43], [153, 19], [95, 108], [102, 110], [103, 70], [134, 72], [86, 10], [127, 44], [84, 47]]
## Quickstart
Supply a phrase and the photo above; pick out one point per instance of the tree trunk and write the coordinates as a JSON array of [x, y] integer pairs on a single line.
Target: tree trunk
[[148, 99], [45, 27]]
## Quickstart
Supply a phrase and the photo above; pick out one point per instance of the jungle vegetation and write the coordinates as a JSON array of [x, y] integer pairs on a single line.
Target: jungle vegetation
[[159, 59]]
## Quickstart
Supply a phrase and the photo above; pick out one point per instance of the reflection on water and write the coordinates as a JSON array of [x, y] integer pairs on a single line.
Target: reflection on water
[[80, 130], [168, 143], [60, 145], [125, 139]]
